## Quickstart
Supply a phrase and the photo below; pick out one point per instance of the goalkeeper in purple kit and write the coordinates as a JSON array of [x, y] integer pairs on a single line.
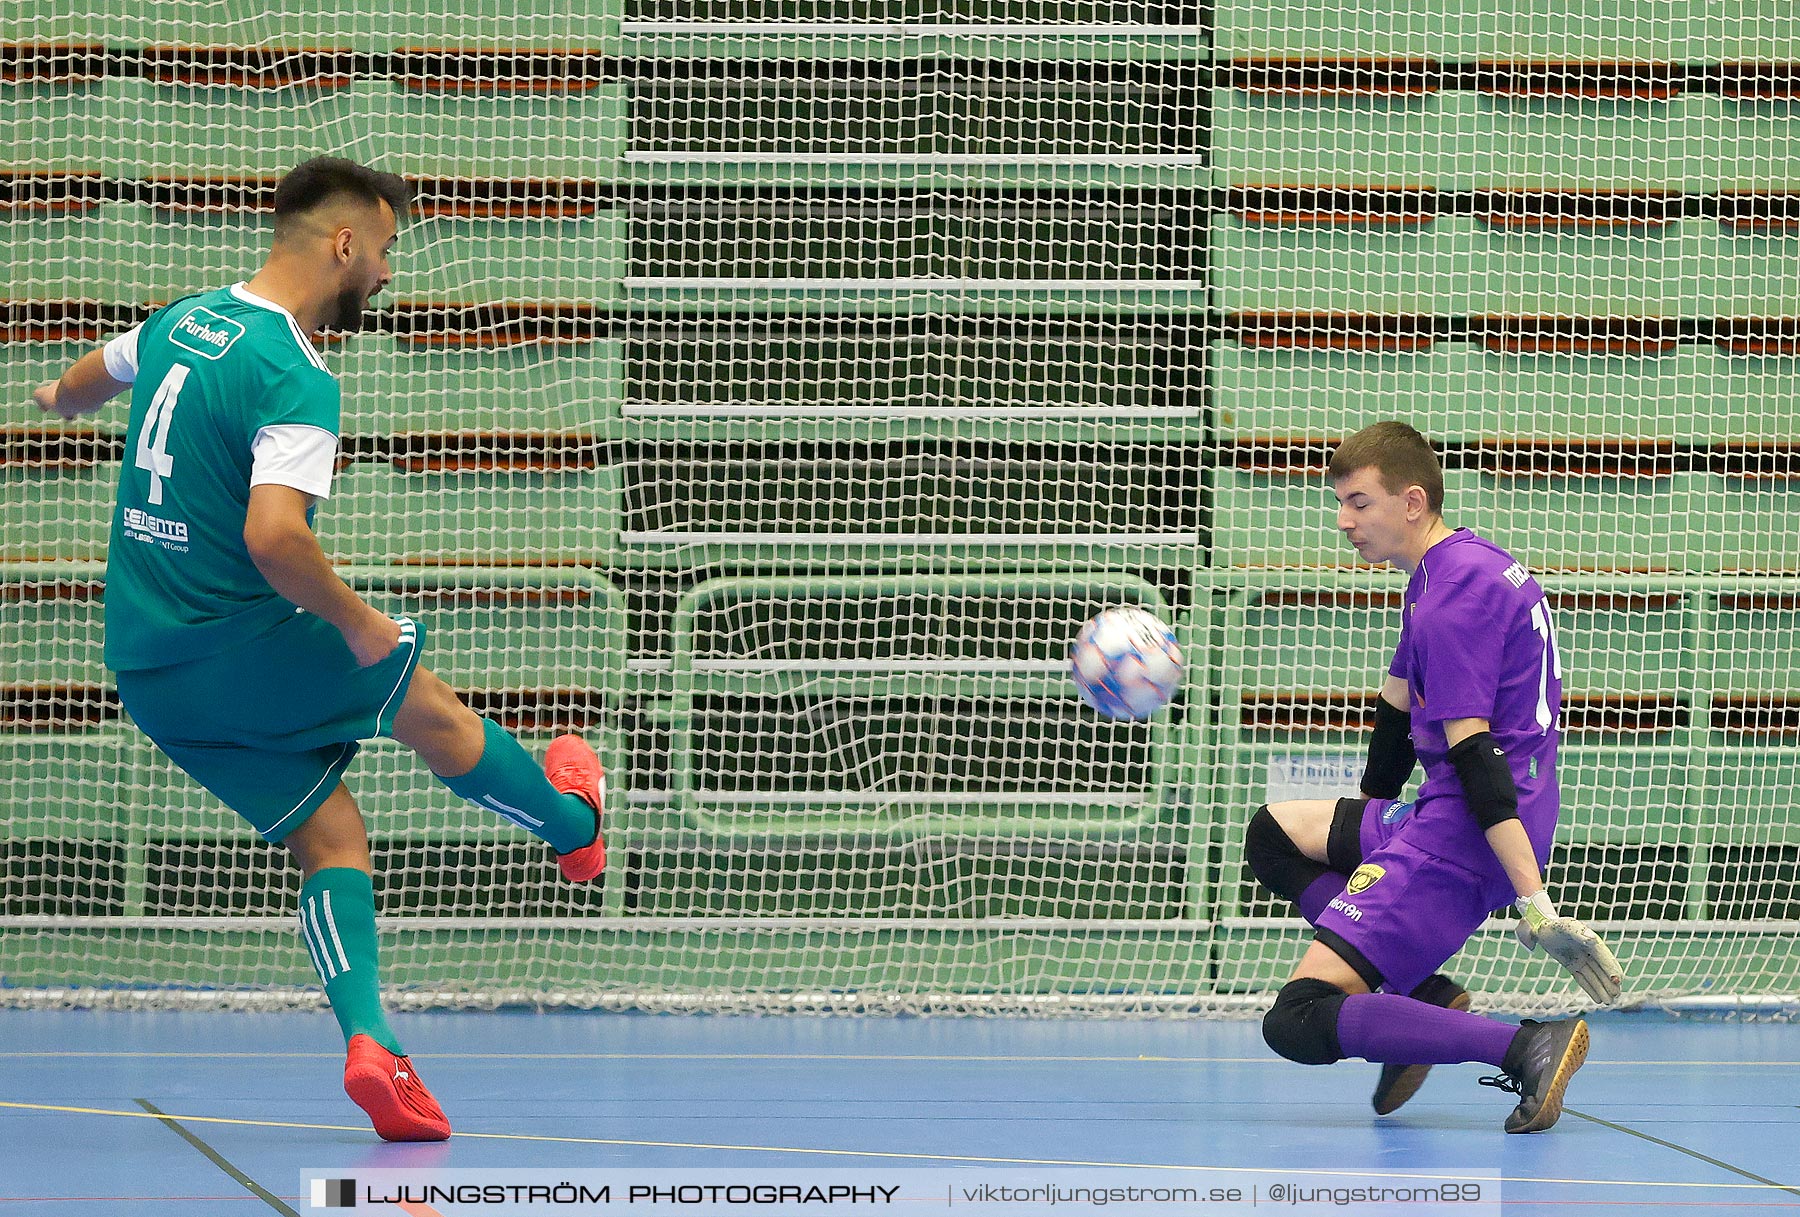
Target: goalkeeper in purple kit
[[1394, 889]]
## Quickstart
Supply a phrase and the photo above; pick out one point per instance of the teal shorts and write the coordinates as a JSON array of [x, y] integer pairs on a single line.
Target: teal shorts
[[269, 726]]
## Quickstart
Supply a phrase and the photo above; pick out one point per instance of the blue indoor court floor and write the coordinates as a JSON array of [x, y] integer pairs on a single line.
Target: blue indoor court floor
[[179, 1114]]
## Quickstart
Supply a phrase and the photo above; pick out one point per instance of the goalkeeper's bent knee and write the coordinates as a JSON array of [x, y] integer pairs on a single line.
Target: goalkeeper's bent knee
[[1274, 859], [1302, 1025]]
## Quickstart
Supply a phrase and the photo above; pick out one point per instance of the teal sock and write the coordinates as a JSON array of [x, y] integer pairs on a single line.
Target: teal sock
[[337, 923], [506, 780]]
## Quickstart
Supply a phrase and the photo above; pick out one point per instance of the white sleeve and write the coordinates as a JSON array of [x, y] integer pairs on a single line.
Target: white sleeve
[[121, 356], [296, 455]]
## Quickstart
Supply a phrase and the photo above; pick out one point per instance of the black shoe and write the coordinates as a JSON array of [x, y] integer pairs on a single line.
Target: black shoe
[[1538, 1066], [1401, 1082]]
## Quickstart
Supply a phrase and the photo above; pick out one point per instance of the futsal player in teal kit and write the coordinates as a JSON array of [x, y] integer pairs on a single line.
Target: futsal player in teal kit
[[1394, 889], [237, 648]]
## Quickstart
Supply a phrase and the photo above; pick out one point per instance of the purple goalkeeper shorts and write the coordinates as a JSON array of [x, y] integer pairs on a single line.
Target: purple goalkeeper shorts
[[1408, 908]]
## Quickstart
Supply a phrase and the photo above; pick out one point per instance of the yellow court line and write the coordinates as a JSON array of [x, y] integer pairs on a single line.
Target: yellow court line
[[897, 1156], [1270, 1059]]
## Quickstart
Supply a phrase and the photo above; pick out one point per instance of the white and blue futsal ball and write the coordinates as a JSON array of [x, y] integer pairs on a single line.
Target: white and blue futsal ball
[[1126, 663]]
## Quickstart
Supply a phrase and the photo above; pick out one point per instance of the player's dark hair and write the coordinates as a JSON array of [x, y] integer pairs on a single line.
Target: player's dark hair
[[1399, 454], [311, 184]]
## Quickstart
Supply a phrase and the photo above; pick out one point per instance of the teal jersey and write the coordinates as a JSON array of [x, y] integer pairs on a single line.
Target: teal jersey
[[212, 371]]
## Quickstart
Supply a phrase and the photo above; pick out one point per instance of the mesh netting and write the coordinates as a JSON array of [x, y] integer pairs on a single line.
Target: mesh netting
[[770, 391]]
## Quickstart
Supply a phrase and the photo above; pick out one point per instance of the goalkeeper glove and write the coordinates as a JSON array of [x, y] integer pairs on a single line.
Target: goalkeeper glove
[[1571, 944]]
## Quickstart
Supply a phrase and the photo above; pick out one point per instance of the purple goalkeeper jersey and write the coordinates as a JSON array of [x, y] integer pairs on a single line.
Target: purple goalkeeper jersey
[[1476, 642]]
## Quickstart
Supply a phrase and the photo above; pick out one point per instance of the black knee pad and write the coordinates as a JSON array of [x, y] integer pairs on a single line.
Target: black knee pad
[[1302, 1025], [1343, 845], [1275, 860]]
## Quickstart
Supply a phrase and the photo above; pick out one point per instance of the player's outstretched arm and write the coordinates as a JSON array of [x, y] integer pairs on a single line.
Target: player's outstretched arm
[[83, 389]]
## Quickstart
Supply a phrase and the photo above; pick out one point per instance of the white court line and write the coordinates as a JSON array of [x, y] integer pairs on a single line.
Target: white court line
[[1270, 1059], [892, 1155]]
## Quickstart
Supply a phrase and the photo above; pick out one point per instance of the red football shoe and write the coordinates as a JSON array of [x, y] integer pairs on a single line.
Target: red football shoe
[[389, 1090], [573, 769]]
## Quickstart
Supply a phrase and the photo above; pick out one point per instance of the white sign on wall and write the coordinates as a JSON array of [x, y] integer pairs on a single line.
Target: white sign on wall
[[1329, 775]]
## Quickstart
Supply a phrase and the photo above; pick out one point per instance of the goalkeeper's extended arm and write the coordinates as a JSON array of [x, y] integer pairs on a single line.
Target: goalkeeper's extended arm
[[1571, 944], [1493, 800]]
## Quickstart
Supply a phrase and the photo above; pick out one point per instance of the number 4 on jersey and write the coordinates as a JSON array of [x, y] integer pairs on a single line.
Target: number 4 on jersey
[[153, 440]]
